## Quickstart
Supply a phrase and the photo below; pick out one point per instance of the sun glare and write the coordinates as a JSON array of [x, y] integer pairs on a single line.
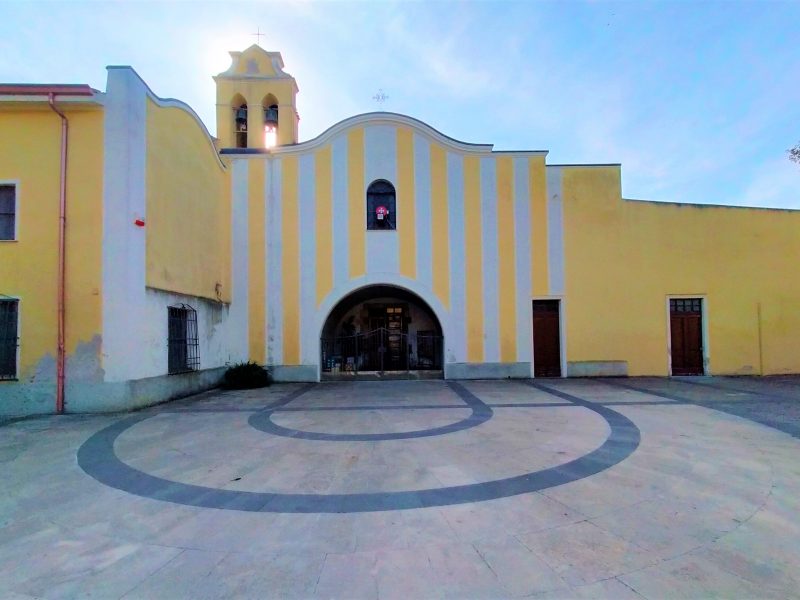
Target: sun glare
[[270, 136]]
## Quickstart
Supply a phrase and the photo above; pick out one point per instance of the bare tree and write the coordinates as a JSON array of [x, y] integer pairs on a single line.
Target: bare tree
[[794, 153]]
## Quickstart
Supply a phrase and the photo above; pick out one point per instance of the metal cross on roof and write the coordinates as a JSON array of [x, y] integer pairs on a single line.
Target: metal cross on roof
[[380, 97], [258, 35]]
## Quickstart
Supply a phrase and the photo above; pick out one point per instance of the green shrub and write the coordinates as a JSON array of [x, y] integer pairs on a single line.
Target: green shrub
[[245, 376]]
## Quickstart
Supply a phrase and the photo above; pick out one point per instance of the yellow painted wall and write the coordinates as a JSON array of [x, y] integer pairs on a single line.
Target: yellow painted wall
[[188, 208], [406, 203], [473, 258], [623, 258], [290, 256], [29, 153], [506, 260]]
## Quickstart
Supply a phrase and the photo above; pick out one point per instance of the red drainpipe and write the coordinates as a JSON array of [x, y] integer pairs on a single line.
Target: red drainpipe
[[62, 259]]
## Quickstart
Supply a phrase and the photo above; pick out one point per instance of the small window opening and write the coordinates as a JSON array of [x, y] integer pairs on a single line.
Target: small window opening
[[8, 209], [270, 125], [9, 316], [240, 125], [381, 205], [184, 353]]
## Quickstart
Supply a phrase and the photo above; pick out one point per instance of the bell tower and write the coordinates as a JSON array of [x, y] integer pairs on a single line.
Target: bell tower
[[256, 101]]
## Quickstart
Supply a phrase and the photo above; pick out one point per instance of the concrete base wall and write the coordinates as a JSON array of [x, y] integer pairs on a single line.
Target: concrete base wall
[[451, 371], [21, 399], [487, 370], [598, 368], [294, 372]]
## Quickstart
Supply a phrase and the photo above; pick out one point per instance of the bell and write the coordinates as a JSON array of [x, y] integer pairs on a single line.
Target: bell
[[271, 115], [241, 114]]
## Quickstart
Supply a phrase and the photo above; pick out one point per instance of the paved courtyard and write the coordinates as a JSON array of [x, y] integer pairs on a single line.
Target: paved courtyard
[[615, 488]]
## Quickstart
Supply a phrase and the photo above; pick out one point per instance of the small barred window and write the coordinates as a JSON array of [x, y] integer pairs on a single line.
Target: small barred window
[[9, 316], [184, 352], [8, 212]]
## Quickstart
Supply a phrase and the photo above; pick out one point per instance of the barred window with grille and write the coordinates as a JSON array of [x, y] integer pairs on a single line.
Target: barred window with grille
[[184, 352], [8, 212], [9, 312]]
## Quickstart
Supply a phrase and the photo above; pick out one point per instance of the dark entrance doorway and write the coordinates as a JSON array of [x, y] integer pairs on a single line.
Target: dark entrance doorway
[[686, 335], [381, 330], [546, 339]]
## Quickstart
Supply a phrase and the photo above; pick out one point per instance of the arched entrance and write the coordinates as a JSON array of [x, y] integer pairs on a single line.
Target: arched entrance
[[381, 331]]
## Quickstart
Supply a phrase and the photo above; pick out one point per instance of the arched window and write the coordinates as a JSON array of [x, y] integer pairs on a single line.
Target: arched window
[[270, 106], [240, 122], [381, 205]]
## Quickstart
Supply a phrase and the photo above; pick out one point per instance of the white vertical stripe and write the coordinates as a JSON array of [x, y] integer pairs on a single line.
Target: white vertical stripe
[[456, 347], [380, 162], [308, 256], [522, 237], [422, 193], [491, 329], [339, 204], [239, 315], [274, 260], [124, 252], [555, 230]]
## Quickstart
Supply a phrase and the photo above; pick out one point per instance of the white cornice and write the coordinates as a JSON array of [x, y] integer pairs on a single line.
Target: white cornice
[[388, 118]]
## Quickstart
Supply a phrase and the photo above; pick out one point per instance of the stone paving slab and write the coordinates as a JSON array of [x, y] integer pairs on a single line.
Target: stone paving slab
[[644, 488]]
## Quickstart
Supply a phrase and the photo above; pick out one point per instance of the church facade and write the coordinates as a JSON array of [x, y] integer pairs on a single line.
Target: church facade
[[380, 248]]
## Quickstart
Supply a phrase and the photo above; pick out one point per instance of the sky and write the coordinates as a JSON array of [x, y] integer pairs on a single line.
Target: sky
[[699, 101]]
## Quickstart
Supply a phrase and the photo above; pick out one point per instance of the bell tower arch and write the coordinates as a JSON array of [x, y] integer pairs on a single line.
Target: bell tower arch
[[269, 93]]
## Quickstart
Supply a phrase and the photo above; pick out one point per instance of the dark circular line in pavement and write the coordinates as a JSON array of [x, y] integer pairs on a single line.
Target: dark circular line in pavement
[[479, 414], [97, 458]]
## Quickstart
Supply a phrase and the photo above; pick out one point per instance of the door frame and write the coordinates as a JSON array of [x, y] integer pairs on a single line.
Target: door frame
[[562, 338], [703, 329]]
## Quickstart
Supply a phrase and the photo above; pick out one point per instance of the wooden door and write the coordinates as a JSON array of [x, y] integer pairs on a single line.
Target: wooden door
[[546, 339], [686, 335]]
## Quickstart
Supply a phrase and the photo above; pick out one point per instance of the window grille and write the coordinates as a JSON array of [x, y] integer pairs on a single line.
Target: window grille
[[9, 315], [381, 200], [685, 305], [8, 208], [184, 351]]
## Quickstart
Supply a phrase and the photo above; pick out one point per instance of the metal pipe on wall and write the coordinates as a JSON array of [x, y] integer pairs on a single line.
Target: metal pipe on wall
[[62, 260]]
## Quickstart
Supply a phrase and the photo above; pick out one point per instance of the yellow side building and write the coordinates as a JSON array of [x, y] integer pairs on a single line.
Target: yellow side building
[[381, 248]]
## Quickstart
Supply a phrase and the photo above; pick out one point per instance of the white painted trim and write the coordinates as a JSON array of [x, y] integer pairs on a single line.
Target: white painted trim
[[274, 262], [703, 329], [16, 184], [423, 209], [63, 99], [389, 279], [387, 118], [380, 163], [238, 322], [124, 252], [562, 330], [456, 267]]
